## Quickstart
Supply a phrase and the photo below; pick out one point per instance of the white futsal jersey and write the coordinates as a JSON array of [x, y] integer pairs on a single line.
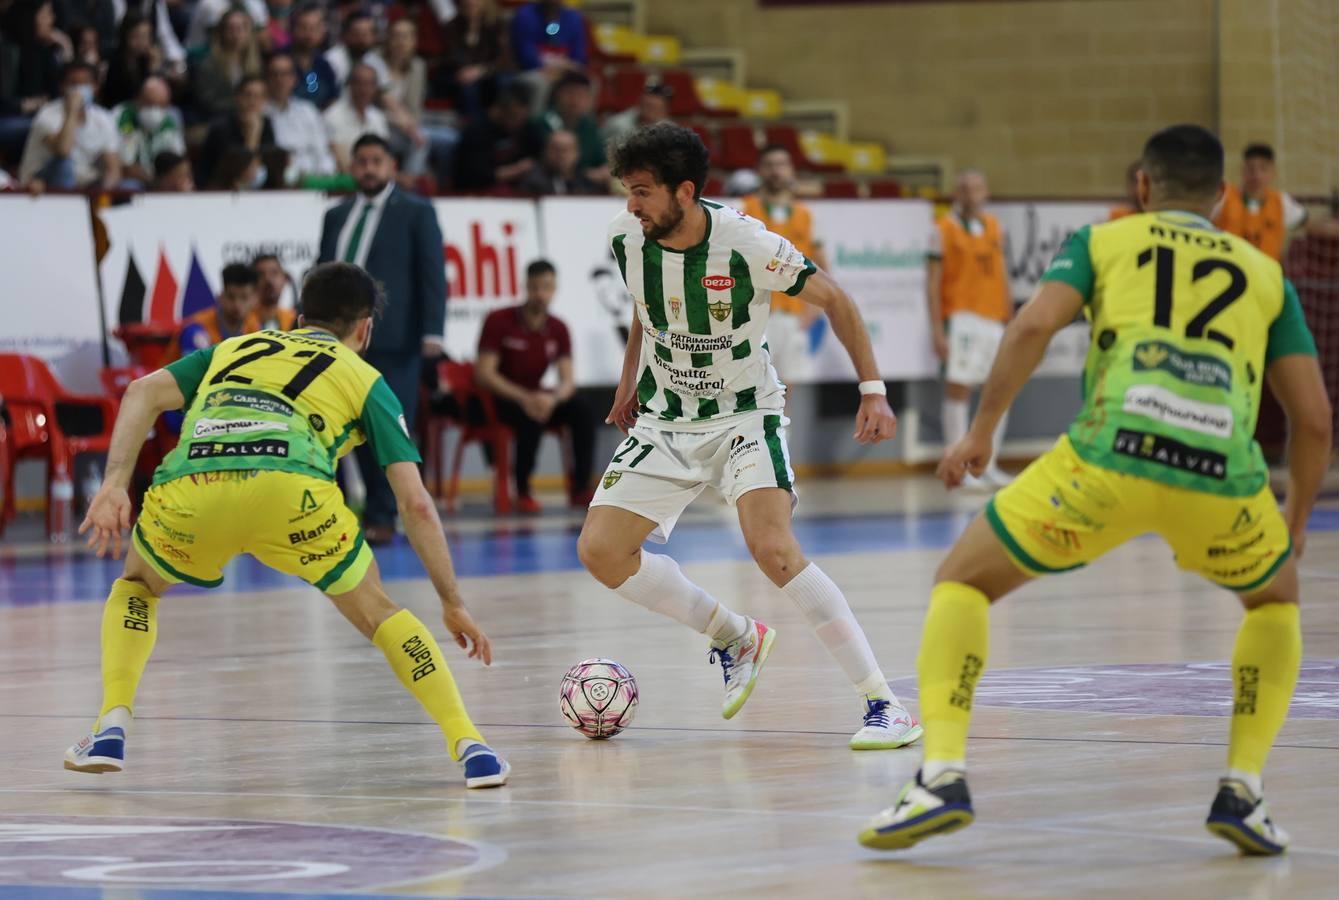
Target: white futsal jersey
[[704, 313]]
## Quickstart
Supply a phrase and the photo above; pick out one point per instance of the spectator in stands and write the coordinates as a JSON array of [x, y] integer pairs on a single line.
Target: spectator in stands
[[316, 80], [240, 169], [246, 127], [358, 41], [500, 149], [429, 18], [172, 174], [275, 310], [276, 35], [73, 141], [355, 114], [548, 41], [474, 51], [232, 57], [298, 125], [136, 58], [558, 172], [233, 313], [148, 126], [1257, 211], [775, 205], [1131, 192], [968, 292], [32, 53], [405, 101], [572, 108], [516, 348], [100, 15], [208, 14], [652, 107]]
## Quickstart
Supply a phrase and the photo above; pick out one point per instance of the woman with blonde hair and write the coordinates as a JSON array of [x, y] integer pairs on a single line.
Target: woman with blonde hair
[[233, 55]]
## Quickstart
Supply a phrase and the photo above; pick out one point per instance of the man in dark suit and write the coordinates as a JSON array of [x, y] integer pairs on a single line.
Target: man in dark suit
[[395, 237]]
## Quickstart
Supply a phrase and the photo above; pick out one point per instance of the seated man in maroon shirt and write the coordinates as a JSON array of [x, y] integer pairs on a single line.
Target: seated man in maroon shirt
[[516, 348]]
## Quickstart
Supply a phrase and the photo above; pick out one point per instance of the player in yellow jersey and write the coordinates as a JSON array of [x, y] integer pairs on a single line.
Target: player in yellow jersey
[[1187, 323], [268, 416]]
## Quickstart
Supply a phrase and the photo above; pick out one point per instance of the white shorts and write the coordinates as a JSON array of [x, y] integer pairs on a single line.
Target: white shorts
[[972, 344], [788, 344], [657, 473]]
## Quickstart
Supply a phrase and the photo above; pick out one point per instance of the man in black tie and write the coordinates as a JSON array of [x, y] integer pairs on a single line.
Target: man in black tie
[[395, 237]]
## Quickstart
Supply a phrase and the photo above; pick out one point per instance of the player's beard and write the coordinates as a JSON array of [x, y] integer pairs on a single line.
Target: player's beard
[[657, 229]]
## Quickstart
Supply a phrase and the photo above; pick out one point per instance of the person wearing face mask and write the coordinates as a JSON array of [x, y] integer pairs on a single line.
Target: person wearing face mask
[[73, 141], [148, 126], [247, 127], [394, 235]]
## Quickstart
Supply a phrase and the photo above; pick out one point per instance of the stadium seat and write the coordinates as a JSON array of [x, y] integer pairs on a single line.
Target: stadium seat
[[708, 138], [739, 149], [786, 136], [841, 188], [622, 90], [686, 101], [45, 418], [885, 188]]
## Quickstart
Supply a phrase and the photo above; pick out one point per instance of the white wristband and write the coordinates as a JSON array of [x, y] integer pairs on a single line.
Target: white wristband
[[873, 387]]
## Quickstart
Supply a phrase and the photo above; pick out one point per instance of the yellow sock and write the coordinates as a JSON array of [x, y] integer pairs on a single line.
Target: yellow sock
[[953, 655], [129, 630], [418, 663], [1265, 661]]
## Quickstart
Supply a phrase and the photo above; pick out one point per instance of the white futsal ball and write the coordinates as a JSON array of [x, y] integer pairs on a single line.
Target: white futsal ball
[[598, 698]]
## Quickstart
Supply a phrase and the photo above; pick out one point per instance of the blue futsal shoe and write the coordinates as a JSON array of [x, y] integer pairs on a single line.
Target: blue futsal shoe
[[483, 767], [103, 751]]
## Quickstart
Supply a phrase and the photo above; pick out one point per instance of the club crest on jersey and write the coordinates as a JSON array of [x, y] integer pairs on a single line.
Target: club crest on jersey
[[719, 309], [676, 304], [717, 282], [611, 479]]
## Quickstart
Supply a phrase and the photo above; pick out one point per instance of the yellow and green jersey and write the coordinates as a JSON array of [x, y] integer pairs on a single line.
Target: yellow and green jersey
[[1185, 319], [291, 401]]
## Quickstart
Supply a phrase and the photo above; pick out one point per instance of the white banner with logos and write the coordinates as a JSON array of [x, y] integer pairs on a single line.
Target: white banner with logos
[[50, 287], [488, 245]]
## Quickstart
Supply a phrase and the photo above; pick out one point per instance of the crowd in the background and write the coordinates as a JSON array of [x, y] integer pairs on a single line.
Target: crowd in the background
[[177, 95]]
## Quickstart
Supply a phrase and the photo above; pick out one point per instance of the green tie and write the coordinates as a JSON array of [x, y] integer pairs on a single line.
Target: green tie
[[351, 252]]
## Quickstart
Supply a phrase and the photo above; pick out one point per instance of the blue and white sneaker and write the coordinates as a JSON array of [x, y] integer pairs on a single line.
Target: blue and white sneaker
[[1240, 817], [887, 727], [104, 751], [741, 663], [483, 767]]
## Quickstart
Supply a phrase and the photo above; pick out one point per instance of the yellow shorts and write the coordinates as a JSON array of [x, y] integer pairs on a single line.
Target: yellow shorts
[[192, 526], [1062, 513]]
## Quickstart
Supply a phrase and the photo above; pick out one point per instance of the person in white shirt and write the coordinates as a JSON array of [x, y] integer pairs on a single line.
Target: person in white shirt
[[148, 126], [358, 40], [355, 114], [73, 142], [298, 125]]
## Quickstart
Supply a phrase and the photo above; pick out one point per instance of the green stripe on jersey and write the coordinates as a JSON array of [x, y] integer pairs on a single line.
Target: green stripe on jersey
[[770, 425], [702, 360], [621, 255], [673, 405], [741, 350], [664, 352], [746, 400], [695, 292], [741, 295], [653, 285], [707, 408], [646, 386]]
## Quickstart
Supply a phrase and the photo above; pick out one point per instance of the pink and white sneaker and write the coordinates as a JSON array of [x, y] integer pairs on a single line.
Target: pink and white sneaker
[[887, 727], [741, 661]]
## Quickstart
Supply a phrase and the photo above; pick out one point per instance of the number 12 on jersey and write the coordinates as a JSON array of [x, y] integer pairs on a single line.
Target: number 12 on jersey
[[1164, 262]]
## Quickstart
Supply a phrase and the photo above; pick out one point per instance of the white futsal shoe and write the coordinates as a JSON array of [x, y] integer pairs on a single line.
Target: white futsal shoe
[[741, 662], [887, 727]]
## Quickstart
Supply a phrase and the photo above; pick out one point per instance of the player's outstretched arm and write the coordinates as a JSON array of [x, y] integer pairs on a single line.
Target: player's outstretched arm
[[1297, 382], [875, 420], [423, 527], [1052, 307], [109, 512]]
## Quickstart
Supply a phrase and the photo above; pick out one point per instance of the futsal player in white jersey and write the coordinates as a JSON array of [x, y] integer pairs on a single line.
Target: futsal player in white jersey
[[702, 407]]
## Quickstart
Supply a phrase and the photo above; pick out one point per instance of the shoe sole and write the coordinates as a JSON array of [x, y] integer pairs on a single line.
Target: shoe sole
[[1247, 841], [95, 766], [910, 737], [944, 820], [490, 781], [764, 651]]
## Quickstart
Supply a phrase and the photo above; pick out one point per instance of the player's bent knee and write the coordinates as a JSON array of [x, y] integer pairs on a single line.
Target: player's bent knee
[[779, 558], [603, 561]]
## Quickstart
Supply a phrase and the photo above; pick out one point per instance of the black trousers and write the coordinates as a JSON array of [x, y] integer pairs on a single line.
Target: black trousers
[[402, 376], [575, 416]]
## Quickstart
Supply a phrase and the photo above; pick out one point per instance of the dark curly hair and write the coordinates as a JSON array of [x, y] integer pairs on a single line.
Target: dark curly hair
[[671, 153]]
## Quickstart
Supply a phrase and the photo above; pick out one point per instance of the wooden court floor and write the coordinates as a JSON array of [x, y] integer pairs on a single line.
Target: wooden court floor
[[275, 754]]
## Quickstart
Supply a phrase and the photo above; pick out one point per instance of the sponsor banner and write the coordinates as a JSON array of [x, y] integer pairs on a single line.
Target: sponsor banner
[[488, 245], [1162, 405], [51, 290]]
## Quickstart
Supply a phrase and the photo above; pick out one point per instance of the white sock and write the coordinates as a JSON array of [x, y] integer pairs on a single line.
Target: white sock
[[997, 441], [117, 717], [1250, 779], [932, 770], [955, 421], [660, 586], [830, 617]]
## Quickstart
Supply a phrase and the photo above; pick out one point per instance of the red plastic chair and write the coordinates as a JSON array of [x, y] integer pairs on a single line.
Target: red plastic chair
[[686, 101], [458, 378], [841, 189], [888, 188], [739, 149], [622, 90], [788, 137], [708, 138], [35, 400]]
